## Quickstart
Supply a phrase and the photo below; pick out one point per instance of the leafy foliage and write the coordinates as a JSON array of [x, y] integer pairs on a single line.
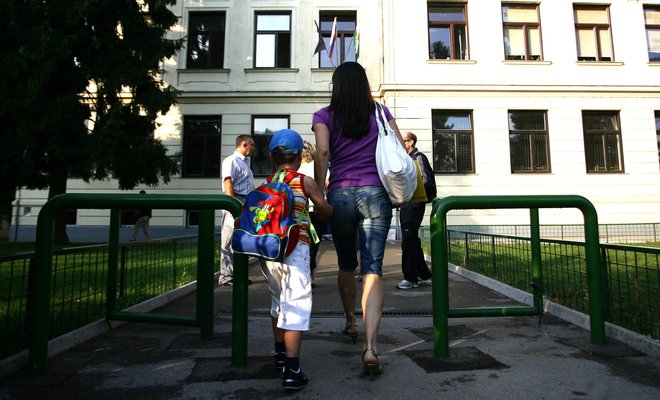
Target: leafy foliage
[[80, 90]]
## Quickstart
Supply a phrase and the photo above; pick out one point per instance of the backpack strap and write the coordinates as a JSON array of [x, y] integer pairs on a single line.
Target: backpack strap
[[286, 176]]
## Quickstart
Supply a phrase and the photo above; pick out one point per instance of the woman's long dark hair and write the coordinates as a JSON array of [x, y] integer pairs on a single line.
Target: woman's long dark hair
[[351, 102]]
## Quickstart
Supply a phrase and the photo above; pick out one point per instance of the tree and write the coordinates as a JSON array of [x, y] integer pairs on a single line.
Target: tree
[[81, 90]]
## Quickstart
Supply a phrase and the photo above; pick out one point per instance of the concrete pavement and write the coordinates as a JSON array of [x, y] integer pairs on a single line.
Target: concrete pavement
[[503, 358]]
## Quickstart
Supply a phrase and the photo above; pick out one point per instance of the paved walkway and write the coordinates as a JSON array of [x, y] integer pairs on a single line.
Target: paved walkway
[[490, 358]]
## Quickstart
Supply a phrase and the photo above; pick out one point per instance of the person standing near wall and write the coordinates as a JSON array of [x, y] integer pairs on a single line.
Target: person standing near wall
[[142, 222], [237, 181], [413, 265]]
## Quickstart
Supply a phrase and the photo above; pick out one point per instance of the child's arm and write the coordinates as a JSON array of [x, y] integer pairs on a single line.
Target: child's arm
[[322, 208]]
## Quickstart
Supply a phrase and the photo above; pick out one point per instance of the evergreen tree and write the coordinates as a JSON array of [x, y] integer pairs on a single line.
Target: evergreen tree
[[81, 87]]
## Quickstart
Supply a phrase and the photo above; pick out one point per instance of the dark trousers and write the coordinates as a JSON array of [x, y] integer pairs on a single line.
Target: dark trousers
[[413, 264], [321, 227]]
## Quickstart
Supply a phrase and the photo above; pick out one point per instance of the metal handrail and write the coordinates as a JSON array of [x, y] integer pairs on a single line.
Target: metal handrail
[[439, 260], [39, 293]]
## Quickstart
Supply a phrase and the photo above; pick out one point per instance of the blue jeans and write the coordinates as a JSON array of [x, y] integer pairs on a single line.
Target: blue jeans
[[361, 219]]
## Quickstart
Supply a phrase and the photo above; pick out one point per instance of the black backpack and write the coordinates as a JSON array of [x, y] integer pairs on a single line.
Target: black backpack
[[429, 187]]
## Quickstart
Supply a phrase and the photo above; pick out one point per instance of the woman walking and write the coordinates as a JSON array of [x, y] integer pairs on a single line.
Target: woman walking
[[346, 133]]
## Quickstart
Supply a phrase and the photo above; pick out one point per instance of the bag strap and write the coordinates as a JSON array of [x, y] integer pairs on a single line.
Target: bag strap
[[380, 119], [287, 176]]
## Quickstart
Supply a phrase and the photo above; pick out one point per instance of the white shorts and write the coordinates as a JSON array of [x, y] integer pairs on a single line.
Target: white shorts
[[290, 285]]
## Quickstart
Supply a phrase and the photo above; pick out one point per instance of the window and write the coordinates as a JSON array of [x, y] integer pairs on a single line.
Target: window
[[272, 41], [652, 20], [592, 31], [344, 48], [657, 131], [201, 146], [452, 142], [447, 31], [263, 128], [602, 141], [206, 40], [192, 218], [528, 141], [522, 32]]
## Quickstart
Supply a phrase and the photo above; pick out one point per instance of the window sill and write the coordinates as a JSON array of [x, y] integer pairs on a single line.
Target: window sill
[[270, 70], [526, 62], [600, 63], [204, 71], [451, 61], [654, 63]]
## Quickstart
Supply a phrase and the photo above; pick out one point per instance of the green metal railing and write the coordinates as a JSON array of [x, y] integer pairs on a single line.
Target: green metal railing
[[206, 204], [439, 256]]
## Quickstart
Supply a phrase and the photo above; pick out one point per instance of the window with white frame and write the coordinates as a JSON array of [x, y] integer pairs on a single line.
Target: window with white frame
[[602, 141], [201, 146], [345, 46], [522, 32], [652, 20], [272, 42], [263, 129], [206, 40], [593, 33], [453, 142], [447, 31], [528, 141]]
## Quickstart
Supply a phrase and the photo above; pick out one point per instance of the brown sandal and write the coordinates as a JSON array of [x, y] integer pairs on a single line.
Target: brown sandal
[[372, 368], [351, 330]]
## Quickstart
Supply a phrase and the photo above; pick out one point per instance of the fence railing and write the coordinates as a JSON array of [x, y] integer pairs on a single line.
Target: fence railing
[[631, 274], [79, 284], [608, 233]]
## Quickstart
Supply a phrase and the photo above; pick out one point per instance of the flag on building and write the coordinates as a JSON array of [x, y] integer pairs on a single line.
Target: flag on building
[[333, 38], [320, 45]]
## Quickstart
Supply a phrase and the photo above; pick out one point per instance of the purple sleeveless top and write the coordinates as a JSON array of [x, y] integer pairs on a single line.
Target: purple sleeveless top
[[352, 161]]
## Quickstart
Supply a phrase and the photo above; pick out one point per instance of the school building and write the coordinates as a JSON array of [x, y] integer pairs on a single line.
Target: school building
[[505, 97]]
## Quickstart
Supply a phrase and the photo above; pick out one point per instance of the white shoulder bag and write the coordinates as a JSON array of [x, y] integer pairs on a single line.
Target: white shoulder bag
[[396, 168]]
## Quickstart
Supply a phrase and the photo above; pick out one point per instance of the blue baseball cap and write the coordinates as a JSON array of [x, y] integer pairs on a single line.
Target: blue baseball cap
[[286, 141]]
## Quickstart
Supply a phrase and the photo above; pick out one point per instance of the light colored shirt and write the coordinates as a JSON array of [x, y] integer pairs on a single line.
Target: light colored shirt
[[237, 167], [307, 169]]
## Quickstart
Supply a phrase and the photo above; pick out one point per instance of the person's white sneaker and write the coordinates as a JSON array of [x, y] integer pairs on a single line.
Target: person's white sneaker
[[404, 284], [425, 282]]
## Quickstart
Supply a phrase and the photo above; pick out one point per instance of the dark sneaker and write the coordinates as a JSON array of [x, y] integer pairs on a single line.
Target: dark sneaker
[[294, 380], [426, 282], [279, 361], [404, 284]]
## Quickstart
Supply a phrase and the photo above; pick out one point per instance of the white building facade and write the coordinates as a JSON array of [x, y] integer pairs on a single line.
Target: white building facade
[[505, 97]]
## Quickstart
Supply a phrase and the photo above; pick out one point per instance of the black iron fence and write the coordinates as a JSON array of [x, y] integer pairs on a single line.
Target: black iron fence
[[632, 273], [79, 284]]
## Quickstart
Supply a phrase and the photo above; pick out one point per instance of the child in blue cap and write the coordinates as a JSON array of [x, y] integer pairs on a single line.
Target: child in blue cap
[[289, 280]]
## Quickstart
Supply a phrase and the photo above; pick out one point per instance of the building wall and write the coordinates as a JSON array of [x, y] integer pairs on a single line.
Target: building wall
[[394, 51]]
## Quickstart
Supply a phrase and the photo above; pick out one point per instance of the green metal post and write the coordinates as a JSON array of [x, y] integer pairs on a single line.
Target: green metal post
[[205, 259], [113, 261], [594, 273], [537, 273], [40, 323], [440, 283], [239, 311]]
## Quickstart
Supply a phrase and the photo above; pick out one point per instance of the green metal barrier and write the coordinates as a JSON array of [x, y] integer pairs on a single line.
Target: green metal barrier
[[439, 261], [206, 204]]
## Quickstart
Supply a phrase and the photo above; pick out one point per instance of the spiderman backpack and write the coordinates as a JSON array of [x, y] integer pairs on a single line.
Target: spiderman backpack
[[267, 227]]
